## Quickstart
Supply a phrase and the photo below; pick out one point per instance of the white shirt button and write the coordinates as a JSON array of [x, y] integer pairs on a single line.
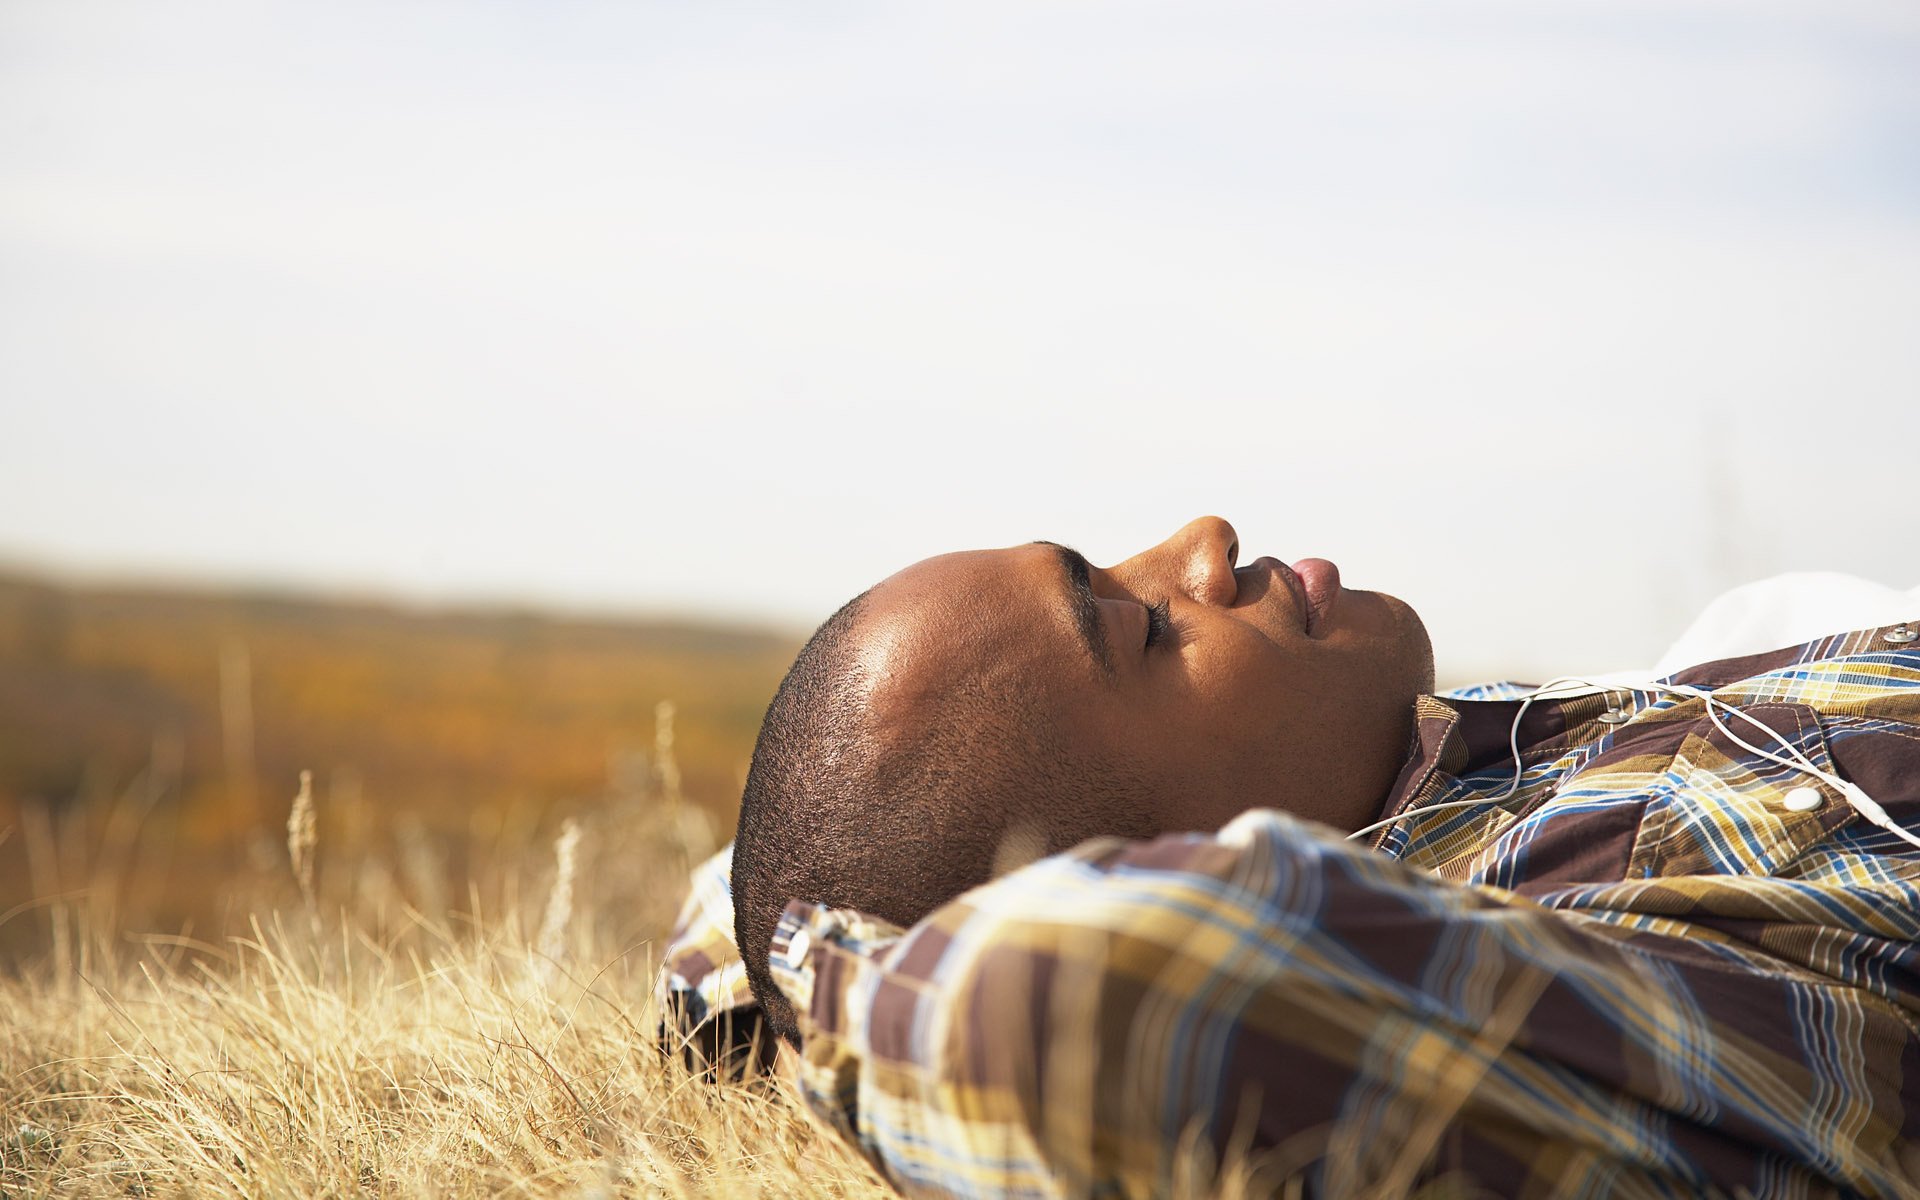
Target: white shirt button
[[1803, 799]]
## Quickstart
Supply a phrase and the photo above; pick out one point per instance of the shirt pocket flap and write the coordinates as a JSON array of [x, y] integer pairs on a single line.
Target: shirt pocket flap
[[1721, 809]]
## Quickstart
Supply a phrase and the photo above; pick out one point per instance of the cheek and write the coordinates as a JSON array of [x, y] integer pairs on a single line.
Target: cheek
[[1259, 709], [1232, 746], [1245, 696]]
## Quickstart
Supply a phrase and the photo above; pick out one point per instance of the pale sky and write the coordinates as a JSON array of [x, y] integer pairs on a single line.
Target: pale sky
[[1555, 319]]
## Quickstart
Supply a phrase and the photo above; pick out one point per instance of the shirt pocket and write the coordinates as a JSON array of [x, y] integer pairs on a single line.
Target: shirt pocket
[[1720, 809]]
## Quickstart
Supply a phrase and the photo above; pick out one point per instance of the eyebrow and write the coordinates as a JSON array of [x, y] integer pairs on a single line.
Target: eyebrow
[[1085, 605]]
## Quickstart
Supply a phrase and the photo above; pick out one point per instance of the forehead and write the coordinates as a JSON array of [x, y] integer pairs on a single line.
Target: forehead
[[990, 614]]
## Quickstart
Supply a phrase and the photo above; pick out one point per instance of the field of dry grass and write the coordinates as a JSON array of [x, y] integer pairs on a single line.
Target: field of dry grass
[[437, 981], [349, 1045], [149, 741]]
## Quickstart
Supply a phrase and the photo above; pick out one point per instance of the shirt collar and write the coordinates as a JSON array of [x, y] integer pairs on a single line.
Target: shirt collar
[[1454, 736]]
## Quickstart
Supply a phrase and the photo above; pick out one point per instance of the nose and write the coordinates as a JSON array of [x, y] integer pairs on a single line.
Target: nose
[[1197, 561]]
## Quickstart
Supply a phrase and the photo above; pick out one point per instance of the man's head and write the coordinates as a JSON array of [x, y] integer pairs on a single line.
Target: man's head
[[1027, 694]]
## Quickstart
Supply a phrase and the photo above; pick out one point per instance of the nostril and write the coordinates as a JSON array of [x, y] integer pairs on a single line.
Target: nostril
[[1233, 554]]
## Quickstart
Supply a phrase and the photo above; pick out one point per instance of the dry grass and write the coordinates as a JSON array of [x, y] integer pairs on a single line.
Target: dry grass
[[509, 1050], [165, 731], [370, 1048]]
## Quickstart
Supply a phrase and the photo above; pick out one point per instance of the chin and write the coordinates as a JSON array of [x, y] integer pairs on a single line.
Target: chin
[[1424, 659], [1416, 648]]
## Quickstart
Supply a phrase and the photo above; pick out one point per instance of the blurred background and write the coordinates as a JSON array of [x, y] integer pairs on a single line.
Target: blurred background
[[423, 393]]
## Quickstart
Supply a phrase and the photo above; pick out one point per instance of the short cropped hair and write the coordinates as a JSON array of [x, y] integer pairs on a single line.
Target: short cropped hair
[[835, 813]]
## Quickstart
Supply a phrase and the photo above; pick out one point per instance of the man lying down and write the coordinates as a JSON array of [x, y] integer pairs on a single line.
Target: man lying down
[[1044, 884]]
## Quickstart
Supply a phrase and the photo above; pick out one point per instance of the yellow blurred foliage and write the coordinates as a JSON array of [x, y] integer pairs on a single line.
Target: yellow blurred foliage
[[151, 741]]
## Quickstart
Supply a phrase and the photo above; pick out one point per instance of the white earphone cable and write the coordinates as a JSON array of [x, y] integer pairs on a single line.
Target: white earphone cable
[[1856, 798]]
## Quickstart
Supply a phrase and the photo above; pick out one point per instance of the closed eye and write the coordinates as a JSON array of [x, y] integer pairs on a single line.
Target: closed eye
[[1159, 624]]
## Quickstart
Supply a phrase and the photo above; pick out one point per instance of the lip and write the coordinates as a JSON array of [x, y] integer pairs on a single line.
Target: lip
[[1319, 581], [1296, 588]]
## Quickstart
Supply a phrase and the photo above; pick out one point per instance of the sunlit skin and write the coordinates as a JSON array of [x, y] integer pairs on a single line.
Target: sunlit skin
[[1234, 705]]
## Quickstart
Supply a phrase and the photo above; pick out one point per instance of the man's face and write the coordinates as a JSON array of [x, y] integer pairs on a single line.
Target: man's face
[[1221, 687]]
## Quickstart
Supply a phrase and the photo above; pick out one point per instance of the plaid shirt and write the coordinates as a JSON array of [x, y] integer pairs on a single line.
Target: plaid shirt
[[1660, 966]]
